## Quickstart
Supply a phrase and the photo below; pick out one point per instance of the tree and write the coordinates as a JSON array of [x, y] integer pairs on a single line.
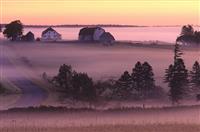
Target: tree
[[2, 89], [105, 88], [137, 76], [77, 86], [179, 81], [197, 36], [123, 86], [187, 30], [13, 30], [148, 78], [177, 77], [195, 75], [64, 78], [143, 78], [83, 87], [177, 52], [169, 74]]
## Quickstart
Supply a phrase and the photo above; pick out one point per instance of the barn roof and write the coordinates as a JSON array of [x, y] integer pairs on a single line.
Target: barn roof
[[48, 29], [29, 33], [107, 35], [88, 30]]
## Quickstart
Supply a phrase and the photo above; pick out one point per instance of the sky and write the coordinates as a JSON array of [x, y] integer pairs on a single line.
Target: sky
[[128, 12]]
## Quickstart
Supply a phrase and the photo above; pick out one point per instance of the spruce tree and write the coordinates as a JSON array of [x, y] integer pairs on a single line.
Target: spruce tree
[[148, 78], [177, 77], [123, 86], [177, 52], [143, 78], [64, 78], [83, 87], [179, 82], [195, 75], [137, 76], [169, 74]]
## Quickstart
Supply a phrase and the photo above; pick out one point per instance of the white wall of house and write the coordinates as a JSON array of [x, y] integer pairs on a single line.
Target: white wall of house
[[51, 36], [98, 32]]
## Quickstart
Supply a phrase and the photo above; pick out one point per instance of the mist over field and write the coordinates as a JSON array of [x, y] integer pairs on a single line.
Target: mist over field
[[36, 106], [22, 60], [99, 66], [99, 61]]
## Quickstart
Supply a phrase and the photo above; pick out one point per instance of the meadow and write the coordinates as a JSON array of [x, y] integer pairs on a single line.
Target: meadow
[[166, 119], [112, 128]]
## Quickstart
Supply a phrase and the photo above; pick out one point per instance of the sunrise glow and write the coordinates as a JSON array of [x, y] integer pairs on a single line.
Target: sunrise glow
[[135, 12]]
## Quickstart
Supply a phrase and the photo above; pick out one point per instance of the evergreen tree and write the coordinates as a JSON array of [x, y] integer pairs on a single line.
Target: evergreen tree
[[187, 30], [64, 78], [137, 76], [179, 81], [169, 74], [177, 52], [143, 78], [177, 77], [148, 78], [195, 75], [123, 86], [83, 87]]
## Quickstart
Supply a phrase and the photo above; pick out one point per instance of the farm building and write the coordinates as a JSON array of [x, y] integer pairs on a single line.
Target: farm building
[[97, 34], [28, 37], [90, 33], [107, 38], [50, 35]]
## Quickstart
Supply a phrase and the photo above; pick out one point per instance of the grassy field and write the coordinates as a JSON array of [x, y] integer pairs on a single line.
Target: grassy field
[[110, 128], [166, 119]]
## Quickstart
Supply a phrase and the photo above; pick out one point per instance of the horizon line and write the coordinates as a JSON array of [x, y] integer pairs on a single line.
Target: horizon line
[[107, 25]]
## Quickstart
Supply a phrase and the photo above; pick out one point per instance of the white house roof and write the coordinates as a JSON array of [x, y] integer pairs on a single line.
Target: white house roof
[[49, 29]]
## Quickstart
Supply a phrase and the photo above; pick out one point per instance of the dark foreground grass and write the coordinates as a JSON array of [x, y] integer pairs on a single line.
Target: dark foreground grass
[[110, 128]]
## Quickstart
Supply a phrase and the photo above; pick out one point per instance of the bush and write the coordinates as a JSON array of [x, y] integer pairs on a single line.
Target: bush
[[83, 87], [2, 89], [38, 39], [77, 86], [104, 89]]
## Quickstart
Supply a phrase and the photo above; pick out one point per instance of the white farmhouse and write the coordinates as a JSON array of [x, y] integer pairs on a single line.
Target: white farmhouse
[[50, 35]]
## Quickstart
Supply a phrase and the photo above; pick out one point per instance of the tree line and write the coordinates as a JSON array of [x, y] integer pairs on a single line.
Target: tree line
[[80, 86], [139, 84], [188, 36]]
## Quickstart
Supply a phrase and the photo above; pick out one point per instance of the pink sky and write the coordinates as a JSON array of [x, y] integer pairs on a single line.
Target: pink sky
[[133, 12]]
